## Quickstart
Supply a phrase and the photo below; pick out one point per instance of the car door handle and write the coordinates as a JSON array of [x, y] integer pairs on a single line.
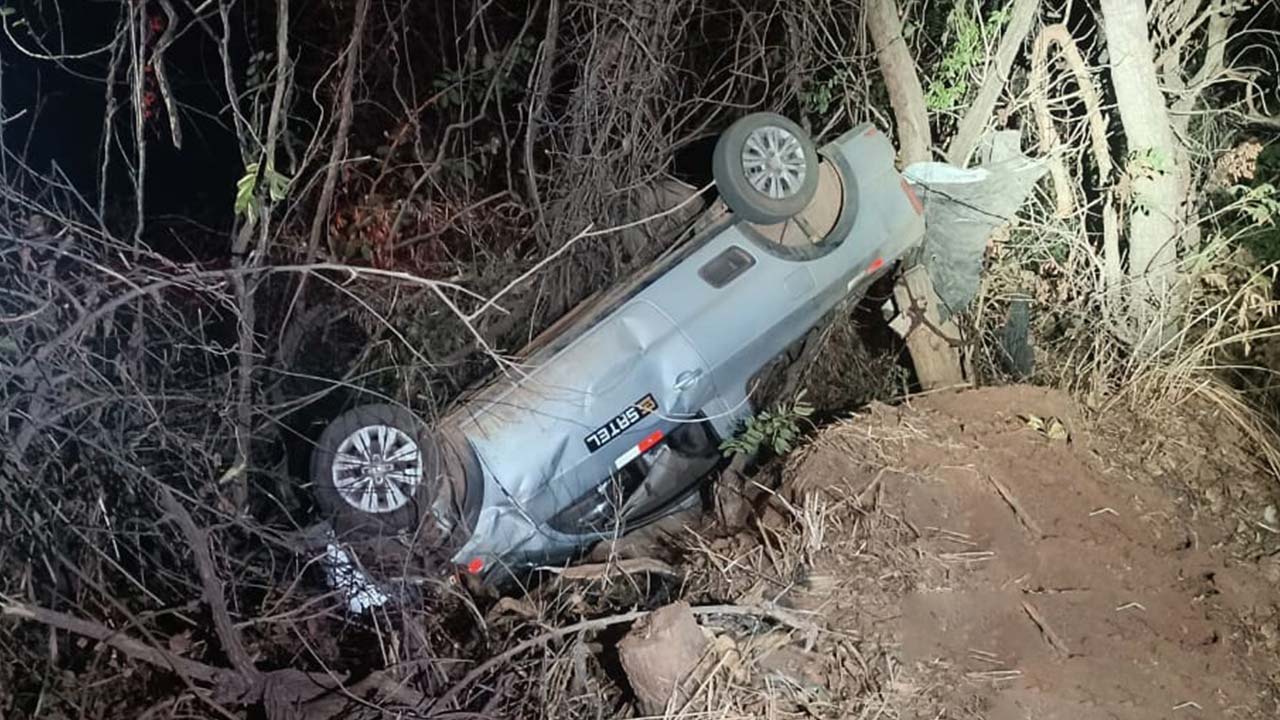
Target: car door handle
[[687, 379]]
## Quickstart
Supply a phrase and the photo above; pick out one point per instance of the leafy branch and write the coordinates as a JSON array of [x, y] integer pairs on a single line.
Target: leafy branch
[[776, 429], [277, 186]]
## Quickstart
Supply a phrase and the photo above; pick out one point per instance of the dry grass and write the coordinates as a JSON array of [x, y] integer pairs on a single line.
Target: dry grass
[[1215, 353]]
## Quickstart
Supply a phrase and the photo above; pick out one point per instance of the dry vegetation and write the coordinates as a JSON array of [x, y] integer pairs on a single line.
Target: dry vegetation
[[423, 188]]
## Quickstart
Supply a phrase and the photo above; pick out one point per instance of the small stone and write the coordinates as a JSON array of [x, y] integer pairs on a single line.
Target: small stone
[[1270, 516], [1214, 496], [1271, 569]]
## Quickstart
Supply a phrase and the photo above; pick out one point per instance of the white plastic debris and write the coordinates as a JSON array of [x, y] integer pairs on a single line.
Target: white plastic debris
[[962, 207], [345, 576]]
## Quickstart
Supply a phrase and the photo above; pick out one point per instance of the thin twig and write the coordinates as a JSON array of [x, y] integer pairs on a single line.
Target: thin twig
[[1024, 518], [1051, 637]]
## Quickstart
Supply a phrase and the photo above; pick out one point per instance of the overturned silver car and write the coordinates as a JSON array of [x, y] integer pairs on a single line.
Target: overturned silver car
[[621, 407]]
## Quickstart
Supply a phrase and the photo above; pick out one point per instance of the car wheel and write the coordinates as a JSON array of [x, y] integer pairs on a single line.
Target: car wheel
[[374, 471], [766, 168]]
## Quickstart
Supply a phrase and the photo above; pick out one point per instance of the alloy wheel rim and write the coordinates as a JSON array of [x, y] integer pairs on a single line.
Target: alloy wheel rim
[[773, 162], [377, 469]]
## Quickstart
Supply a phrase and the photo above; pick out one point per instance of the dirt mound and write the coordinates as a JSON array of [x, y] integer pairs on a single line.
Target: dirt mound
[[990, 554]]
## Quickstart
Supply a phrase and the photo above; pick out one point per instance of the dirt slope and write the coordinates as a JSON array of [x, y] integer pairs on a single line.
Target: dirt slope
[[965, 564]]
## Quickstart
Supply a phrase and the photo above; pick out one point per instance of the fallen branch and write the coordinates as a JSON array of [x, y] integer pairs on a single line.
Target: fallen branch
[[628, 566], [1050, 637], [198, 539], [287, 694], [1024, 518], [114, 639]]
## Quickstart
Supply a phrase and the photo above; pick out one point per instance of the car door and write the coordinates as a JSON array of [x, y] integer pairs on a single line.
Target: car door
[[568, 429], [640, 464], [741, 305]]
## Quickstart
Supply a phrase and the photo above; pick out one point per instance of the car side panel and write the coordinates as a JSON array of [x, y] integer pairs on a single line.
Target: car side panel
[[531, 440], [738, 327]]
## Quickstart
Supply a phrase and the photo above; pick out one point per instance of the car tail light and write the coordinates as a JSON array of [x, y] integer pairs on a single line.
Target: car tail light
[[911, 195]]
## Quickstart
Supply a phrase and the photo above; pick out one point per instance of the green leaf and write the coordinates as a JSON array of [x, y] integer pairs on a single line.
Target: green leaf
[[245, 188], [277, 185]]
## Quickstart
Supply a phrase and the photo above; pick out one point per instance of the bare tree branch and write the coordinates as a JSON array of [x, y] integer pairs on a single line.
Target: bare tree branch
[[1060, 36], [351, 65], [976, 118], [536, 103], [198, 540], [157, 65]]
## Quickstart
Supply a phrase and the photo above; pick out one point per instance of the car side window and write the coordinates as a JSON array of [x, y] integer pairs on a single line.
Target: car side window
[[723, 268]]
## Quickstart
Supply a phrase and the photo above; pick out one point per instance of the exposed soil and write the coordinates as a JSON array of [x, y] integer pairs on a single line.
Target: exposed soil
[[990, 554]]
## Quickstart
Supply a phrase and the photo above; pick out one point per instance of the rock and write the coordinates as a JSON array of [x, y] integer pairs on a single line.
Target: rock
[[1271, 569], [660, 655]]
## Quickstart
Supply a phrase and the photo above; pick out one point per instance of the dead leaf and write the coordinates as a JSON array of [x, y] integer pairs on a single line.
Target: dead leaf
[[179, 644], [1055, 430], [519, 607], [1050, 427]]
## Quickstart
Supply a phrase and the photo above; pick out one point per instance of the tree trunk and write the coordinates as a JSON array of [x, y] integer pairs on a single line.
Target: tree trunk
[[1187, 88], [976, 118], [1156, 206], [906, 96], [937, 362]]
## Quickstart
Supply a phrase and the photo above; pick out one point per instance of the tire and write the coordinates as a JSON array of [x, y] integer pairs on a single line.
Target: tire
[[777, 191], [416, 480], [1015, 339]]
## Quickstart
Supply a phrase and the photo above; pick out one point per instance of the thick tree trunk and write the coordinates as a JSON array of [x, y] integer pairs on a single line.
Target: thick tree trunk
[[937, 362], [906, 96], [1156, 206]]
